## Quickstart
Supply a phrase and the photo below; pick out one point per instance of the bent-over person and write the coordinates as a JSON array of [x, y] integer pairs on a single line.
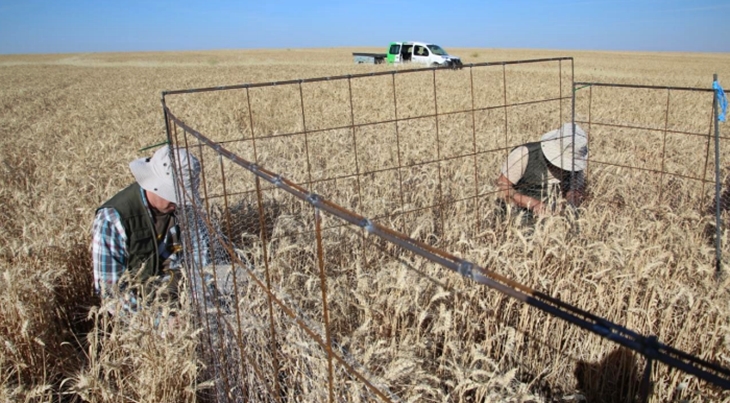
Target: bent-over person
[[135, 234], [538, 177]]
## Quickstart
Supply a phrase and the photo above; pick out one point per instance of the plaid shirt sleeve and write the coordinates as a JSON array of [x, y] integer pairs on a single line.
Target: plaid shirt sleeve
[[108, 249]]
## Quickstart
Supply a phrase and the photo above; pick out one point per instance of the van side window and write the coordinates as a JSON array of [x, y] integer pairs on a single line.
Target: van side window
[[420, 51], [394, 49]]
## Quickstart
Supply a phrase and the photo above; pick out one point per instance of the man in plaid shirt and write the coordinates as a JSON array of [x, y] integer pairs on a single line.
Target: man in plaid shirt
[[136, 236]]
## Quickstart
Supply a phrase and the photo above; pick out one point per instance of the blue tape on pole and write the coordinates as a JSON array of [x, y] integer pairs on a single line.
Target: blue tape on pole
[[721, 100]]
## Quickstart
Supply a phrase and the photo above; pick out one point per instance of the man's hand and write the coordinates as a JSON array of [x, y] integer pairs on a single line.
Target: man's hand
[[541, 209], [575, 197], [511, 195]]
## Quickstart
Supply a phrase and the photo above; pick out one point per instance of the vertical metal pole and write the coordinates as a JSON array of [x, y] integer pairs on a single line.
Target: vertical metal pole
[[306, 138], [195, 297], [572, 119], [588, 135], [504, 87], [198, 294], [360, 202], [438, 157], [272, 327], [200, 225], [664, 149], [709, 137], [560, 92], [203, 180], [718, 223], [323, 286], [239, 331], [264, 242], [167, 120], [250, 125], [474, 141], [575, 226], [214, 295], [354, 145], [397, 147]]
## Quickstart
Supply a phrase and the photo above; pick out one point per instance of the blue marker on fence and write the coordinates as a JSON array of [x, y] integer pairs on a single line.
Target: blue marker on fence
[[721, 100]]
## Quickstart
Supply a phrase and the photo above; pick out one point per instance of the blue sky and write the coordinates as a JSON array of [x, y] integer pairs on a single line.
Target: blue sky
[[69, 26]]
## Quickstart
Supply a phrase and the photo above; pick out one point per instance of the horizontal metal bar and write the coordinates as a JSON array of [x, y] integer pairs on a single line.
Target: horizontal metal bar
[[390, 121], [652, 129], [648, 87], [348, 76], [655, 171], [645, 345]]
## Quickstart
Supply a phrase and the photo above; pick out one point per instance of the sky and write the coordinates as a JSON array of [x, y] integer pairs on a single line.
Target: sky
[[78, 26]]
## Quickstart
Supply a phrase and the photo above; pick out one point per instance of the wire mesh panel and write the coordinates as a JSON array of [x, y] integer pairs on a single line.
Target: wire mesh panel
[[339, 218], [659, 138]]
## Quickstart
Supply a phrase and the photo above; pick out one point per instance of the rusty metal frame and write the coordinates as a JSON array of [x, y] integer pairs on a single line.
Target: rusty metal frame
[[648, 346]]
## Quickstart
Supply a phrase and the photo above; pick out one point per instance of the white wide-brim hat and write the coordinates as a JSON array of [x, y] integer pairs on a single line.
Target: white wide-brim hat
[[156, 174], [558, 148]]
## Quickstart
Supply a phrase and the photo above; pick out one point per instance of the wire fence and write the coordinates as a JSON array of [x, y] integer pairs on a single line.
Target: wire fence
[[328, 207], [676, 133]]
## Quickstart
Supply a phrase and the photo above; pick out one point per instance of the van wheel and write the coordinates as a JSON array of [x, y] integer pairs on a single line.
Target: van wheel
[[434, 64]]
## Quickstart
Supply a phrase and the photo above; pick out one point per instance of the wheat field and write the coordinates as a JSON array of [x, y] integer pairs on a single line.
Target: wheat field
[[71, 124]]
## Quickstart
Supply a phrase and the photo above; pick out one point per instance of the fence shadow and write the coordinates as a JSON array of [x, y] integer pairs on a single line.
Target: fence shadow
[[614, 379], [396, 153]]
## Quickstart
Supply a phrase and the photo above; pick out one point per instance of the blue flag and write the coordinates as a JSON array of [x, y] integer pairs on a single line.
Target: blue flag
[[721, 100]]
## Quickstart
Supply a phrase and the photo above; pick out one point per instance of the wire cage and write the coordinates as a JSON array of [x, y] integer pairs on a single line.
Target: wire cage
[[347, 227]]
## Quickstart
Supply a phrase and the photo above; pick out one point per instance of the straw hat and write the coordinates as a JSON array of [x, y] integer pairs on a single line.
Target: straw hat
[[557, 146], [156, 174]]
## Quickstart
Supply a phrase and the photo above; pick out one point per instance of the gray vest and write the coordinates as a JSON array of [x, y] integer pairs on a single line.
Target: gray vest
[[534, 182]]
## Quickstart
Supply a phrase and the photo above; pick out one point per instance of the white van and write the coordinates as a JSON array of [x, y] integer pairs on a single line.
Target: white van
[[420, 52]]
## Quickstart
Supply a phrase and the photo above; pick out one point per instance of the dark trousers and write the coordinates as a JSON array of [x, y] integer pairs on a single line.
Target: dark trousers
[[503, 211]]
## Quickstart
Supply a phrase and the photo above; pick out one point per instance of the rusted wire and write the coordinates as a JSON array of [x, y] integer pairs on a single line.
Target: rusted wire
[[325, 309], [397, 143], [302, 190], [269, 302], [664, 147], [221, 339], [235, 278], [474, 147], [344, 77], [702, 369], [647, 129], [440, 186], [396, 120]]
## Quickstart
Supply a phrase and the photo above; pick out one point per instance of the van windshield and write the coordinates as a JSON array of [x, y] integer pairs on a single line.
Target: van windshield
[[436, 50]]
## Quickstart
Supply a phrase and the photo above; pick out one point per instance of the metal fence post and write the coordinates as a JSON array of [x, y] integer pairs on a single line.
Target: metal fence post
[[325, 310], [650, 347], [718, 220]]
